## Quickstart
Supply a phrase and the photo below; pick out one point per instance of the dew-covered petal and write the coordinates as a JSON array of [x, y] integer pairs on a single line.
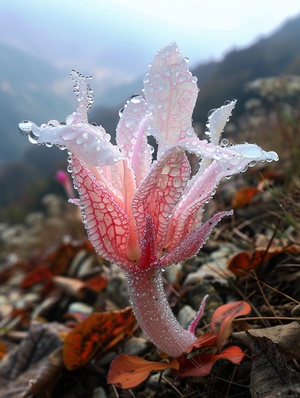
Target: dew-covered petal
[[131, 136], [84, 95], [148, 246], [191, 245], [217, 120], [187, 214], [88, 143], [171, 92], [107, 224], [159, 192]]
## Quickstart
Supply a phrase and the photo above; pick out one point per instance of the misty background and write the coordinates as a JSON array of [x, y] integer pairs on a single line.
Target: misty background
[[228, 43]]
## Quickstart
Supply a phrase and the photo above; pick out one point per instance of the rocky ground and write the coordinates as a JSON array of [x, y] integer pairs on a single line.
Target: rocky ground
[[51, 281]]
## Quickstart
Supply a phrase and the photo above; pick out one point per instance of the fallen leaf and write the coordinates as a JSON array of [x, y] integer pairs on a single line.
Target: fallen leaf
[[269, 368], [205, 340], [221, 321], [127, 371], [245, 261], [3, 349], [61, 258], [96, 283], [47, 376], [243, 197], [100, 330], [40, 341], [286, 337], [40, 274], [200, 365]]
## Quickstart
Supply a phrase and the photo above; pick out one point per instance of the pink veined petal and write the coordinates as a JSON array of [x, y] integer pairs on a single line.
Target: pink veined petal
[[187, 215], [171, 92], [132, 136], [159, 192], [107, 224], [191, 245], [148, 249]]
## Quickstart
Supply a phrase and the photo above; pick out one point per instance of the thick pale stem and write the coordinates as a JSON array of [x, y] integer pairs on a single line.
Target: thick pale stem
[[153, 312]]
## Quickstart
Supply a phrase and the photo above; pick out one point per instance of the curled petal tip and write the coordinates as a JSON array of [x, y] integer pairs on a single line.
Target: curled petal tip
[[271, 155]]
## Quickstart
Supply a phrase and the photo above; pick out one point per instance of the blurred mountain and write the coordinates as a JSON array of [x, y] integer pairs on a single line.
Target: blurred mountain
[[278, 54], [224, 80], [32, 88], [28, 90]]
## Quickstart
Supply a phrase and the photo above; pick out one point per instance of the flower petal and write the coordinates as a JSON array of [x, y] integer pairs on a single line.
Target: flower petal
[[132, 136], [107, 224], [88, 143], [217, 121], [159, 192], [190, 246], [171, 92]]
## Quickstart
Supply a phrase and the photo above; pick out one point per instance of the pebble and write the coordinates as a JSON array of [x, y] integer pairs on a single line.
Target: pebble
[[99, 392], [186, 315], [171, 274], [78, 306], [136, 346], [117, 291]]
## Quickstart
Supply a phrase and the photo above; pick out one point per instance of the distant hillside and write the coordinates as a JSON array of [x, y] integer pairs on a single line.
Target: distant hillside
[[225, 80], [25, 93], [27, 85]]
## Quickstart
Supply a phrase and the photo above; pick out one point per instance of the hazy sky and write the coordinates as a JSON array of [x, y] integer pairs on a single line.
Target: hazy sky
[[115, 40]]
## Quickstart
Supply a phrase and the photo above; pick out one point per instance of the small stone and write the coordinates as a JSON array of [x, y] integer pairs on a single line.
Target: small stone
[[135, 346], [296, 311], [99, 392], [78, 306], [185, 316], [171, 274]]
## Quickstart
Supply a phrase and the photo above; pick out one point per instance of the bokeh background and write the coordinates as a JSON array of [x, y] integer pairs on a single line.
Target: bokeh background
[[229, 44]]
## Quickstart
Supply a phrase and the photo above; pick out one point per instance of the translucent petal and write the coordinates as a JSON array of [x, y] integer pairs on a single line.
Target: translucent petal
[[190, 246], [159, 192], [107, 224], [132, 136], [217, 121], [88, 143], [171, 93]]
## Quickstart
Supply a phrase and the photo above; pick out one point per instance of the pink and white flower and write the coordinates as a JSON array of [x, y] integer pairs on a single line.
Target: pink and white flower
[[141, 213]]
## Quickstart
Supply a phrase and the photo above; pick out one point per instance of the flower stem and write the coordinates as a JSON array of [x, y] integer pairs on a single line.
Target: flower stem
[[153, 312]]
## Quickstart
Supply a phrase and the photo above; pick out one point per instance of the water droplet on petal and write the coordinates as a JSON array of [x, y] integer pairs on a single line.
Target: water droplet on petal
[[136, 99], [224, 142], [211, 112], [121, 111]]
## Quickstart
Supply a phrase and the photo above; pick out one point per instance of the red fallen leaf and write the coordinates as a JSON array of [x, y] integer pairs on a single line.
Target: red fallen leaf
[[243, 197], [127, 371], [100, 330], [40, 274], [200, 365], [272, 175], [221, 321], [96, 283], [205, 340], [3, 349], [61, 257], [243, 262]]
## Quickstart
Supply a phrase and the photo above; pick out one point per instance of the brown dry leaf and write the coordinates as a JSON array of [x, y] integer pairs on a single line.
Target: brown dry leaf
[[285, 336], [47, 376], [269, 368], [40, 341]]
